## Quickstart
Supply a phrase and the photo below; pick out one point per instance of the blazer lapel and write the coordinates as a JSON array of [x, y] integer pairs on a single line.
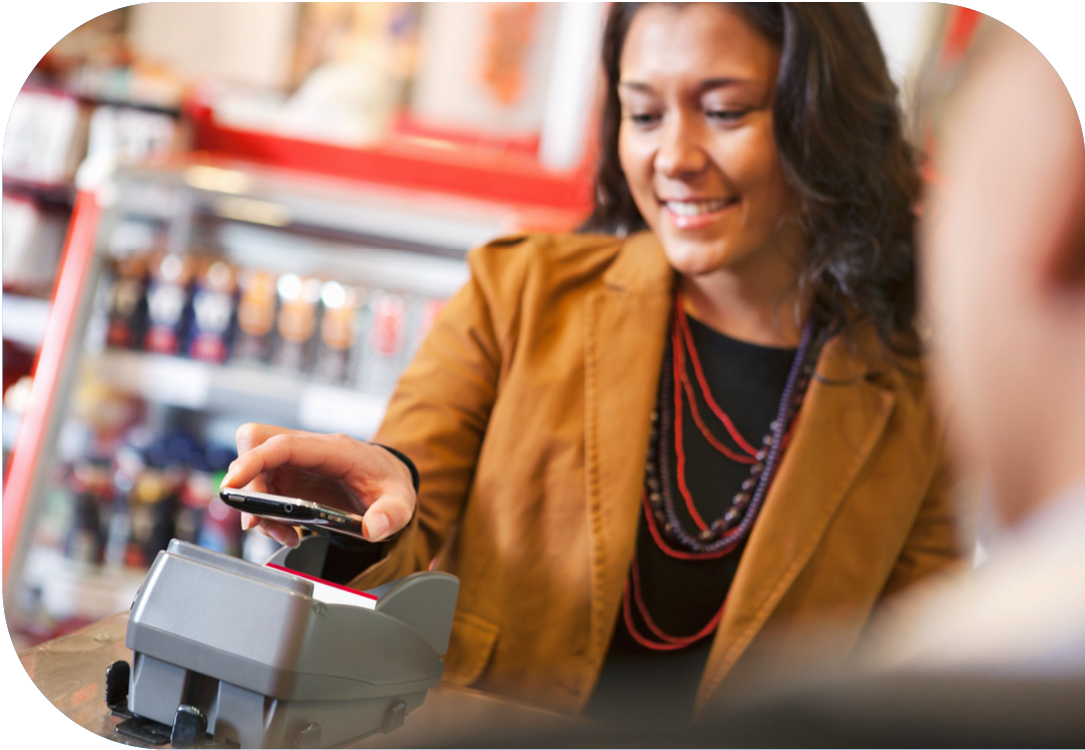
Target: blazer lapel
[[625, 329], [839, 425]]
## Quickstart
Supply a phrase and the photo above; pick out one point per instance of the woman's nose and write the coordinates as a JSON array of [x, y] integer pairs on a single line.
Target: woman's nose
[[680, 149]]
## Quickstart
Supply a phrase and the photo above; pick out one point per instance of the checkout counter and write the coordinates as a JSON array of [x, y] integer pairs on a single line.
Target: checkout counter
[[195, 664], [70, 672]]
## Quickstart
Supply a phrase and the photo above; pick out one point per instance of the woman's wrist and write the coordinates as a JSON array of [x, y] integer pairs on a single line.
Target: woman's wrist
[[415, 478]]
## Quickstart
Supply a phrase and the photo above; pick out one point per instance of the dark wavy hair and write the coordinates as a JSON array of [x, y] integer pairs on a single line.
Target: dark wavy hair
[[841, 140]]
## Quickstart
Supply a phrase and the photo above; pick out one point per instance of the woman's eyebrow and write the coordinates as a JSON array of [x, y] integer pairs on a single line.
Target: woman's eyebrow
[[706, 85], [719, 83]]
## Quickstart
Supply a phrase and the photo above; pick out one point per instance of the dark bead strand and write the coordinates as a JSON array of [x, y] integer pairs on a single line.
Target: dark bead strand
[[761, 473]]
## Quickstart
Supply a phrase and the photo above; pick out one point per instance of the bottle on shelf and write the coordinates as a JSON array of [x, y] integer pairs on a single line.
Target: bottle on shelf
[[168, 303], [214, 308]]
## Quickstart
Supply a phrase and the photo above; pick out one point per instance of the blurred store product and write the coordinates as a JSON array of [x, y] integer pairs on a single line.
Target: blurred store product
[[249, 43], [92, 485], [385, 343], [255, 316], [131, 135], [45, 138], [214, 305], [202, 307], [339, 324], [168, 303], [350, 102], [299, 300], [32, 240], [128, 303], [496, 80]]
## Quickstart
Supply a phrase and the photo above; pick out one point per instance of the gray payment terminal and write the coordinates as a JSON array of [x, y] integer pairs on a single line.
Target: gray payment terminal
[[228, 651]]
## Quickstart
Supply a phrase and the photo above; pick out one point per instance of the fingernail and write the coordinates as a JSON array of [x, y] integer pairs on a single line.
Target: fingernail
[[247, 520], [284, 537], [377, 526], [226, 480]]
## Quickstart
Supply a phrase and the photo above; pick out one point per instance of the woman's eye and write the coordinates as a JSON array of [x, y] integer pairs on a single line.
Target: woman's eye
[[727, 115], [642, 119]]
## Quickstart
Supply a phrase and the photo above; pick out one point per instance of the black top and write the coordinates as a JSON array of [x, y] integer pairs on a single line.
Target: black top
[[682, 596]]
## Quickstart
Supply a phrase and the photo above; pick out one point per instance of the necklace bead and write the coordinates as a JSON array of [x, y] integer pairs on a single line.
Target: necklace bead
[[666, 420], [722, 535]]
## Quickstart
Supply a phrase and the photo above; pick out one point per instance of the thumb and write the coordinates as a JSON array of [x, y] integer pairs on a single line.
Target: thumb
[[389, 514]]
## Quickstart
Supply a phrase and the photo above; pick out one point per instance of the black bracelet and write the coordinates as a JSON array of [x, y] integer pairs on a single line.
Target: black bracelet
[[415, 478]]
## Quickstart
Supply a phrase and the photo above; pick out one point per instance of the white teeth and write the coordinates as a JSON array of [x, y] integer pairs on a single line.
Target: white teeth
[[695, 208]]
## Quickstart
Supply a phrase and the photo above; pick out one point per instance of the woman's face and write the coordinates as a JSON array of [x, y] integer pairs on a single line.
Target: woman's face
[[696, 139]]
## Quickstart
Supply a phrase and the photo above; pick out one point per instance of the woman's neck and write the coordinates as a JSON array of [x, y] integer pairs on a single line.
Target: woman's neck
[[759, 304]]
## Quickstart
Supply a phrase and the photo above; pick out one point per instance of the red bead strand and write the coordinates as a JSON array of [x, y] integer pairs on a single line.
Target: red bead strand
[[670, 642], [679, 449], [683, 326], [632, 594]]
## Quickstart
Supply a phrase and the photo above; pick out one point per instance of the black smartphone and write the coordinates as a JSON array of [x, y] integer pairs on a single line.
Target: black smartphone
[[294, 511]]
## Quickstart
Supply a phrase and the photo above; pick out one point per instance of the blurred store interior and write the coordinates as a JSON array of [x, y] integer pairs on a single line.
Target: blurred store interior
[[216, 213]]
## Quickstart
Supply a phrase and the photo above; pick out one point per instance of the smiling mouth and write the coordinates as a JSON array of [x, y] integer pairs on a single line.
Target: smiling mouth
[[691, 209]]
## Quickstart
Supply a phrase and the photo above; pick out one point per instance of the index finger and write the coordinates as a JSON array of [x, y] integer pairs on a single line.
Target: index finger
[[332, 456], [252, 434]]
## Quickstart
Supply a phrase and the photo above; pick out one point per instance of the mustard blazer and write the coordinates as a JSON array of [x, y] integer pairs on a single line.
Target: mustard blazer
[[527, 410]]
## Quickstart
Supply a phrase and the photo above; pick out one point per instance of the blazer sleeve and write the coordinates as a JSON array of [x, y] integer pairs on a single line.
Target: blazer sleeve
[[438, 413]]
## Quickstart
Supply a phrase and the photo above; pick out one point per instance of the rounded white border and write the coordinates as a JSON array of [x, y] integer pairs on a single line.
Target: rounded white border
[[29, 28]]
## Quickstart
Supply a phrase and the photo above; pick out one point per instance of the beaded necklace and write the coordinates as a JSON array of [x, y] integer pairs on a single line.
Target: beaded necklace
[[722, 536]]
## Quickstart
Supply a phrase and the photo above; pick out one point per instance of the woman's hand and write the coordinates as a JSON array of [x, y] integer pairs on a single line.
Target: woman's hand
[[332, 470]]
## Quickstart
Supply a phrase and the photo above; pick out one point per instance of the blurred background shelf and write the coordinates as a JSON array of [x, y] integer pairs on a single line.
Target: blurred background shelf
[[240, 389], [68, 588], [198, 293]]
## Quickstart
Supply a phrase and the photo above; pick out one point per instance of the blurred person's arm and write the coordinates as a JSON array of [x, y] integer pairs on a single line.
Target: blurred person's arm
[[1008, 156]]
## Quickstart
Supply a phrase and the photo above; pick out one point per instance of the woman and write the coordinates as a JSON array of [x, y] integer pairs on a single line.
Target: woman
[[754, 169]]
